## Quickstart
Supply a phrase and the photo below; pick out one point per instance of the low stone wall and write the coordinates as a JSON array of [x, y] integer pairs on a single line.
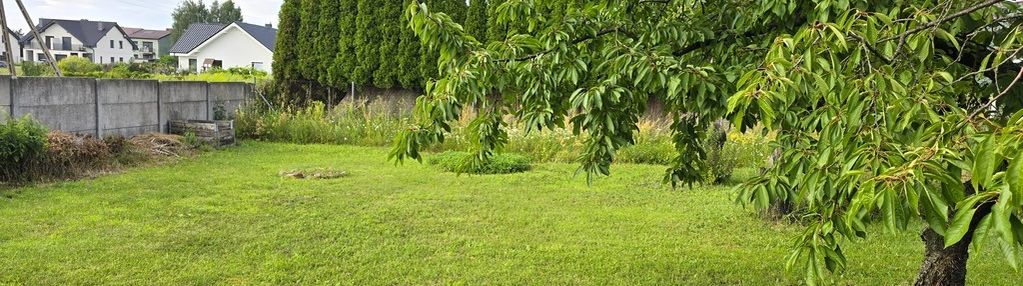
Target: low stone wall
[[103, 107]]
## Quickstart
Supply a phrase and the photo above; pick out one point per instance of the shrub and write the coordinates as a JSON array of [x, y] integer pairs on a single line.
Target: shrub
[[462, 162], [78, 66], [751, 148], [31, 68], [22, 140], [720, 162]]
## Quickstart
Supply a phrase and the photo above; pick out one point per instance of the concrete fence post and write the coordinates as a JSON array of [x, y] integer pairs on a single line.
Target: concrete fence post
[[99, 108], [160, 113], [14, 98], [209, 103]]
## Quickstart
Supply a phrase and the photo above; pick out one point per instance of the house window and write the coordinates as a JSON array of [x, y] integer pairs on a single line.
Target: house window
[[121, 44], [193, 64], [111, 59], [65, 43], [111, 44], [122, 59]]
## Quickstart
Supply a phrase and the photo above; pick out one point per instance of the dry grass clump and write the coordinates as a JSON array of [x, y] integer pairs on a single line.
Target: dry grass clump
[[319, 173], [161, 144]]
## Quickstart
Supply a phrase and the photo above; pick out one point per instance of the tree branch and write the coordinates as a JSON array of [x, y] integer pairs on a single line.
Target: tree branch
[[903, 35], [997, 97]]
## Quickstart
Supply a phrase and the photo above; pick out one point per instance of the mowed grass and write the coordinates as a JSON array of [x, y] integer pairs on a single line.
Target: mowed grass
[[227, 218]]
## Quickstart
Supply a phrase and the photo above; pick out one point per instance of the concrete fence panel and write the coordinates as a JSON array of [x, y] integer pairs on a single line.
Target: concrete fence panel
[[5, 97], [128, 107], [67, 104], [181, 100], [230, 96]]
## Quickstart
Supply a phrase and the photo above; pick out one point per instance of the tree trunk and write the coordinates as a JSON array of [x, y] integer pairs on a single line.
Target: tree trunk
[[947, 266], [943, 266]]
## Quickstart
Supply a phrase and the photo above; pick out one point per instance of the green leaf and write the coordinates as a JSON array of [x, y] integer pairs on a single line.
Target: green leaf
[[1014, 176], [960, 225], [985, 162]]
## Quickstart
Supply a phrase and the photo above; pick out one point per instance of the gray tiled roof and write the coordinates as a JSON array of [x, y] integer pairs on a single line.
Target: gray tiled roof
[[195, 35], [265, 35], [88, 32], [201, 32], [137, 33]]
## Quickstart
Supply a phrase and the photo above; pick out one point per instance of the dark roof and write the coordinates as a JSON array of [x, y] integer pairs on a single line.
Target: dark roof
[[88, 32], [265, 35], [138, 33], [201, 32]]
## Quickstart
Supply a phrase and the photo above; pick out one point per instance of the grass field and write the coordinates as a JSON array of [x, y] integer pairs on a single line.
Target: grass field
[[228, 218]]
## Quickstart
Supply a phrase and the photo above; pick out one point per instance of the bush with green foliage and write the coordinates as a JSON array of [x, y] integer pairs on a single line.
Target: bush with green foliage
[[78, 66], [22, 140], [31, 68], [463, 163]]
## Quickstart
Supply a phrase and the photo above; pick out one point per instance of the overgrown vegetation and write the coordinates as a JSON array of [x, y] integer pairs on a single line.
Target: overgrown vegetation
[[29, 152], [165, 70], [376, 123], [462, 163], [22, 140]]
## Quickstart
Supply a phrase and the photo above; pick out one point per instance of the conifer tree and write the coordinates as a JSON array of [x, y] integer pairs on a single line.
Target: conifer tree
[[285, 55], [476, 20], [345, 62], [388, 17], [327, 40], [367, 42], [307, 39], [408, 57]]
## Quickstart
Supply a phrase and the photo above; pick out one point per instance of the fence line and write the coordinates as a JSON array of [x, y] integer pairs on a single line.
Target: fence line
[[103, 107]]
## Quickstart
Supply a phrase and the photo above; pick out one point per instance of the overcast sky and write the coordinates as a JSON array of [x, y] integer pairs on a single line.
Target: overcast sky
[[149, 14]]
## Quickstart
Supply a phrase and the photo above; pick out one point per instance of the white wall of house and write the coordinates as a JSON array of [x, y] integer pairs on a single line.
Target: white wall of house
[[233, 47], [33, 50], [100, 54], [15, 48], [120, 51]]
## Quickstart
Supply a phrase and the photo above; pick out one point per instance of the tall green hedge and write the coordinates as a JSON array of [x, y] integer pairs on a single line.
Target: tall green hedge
[[368, 42], [286, 54], [308, 31], [327, 40], [476, 20], [340, 72]]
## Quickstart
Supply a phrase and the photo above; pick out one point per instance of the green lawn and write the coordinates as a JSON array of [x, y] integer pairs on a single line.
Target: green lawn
[[227, 218]]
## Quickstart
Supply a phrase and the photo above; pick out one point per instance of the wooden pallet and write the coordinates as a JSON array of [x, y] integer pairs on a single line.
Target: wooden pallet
[[217, 133]]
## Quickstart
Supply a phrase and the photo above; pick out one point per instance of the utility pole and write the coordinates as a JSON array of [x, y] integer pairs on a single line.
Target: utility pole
[[35, 33], [7, 40]]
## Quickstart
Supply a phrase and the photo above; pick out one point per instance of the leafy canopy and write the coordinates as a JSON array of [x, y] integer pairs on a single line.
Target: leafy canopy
[[906, 109]]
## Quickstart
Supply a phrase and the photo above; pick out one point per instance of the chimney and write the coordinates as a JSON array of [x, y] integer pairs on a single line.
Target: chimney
[[271, 26], [99, 26]]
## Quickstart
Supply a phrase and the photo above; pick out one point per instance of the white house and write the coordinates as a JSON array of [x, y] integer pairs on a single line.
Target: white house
[[152, 44], [206, 46], [101, 42], [15, 41]]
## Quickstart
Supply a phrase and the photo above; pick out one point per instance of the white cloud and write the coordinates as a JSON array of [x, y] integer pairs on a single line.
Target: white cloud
[[151, 14]]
